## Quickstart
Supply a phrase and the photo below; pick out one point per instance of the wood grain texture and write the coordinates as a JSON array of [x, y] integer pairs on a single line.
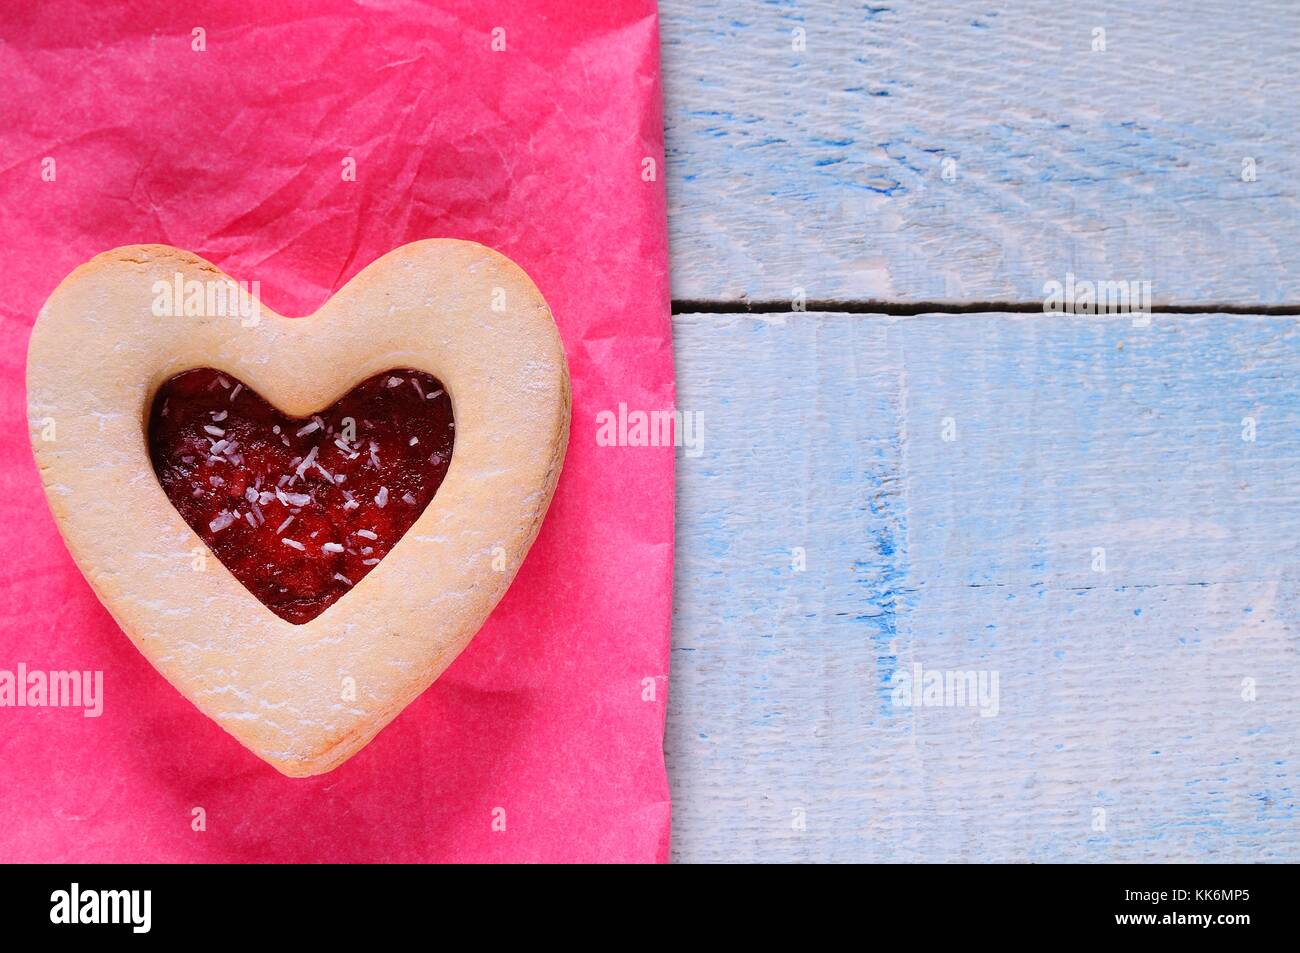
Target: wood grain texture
[[821, 169], [1120, 690]]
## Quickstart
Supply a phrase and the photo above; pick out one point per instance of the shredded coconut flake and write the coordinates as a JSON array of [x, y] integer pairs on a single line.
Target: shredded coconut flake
[[332, 548], [342, 578], [235, 393], [381, 498], [308, 428], [418, 389], [369, 562], [281, 527], [294, 543], [292, 499], [223, 519], [394, 382], [408, 499], [367, 534], [307, 462]]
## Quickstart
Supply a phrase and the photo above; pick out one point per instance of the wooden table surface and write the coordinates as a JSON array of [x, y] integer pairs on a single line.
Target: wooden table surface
[[923, 468]]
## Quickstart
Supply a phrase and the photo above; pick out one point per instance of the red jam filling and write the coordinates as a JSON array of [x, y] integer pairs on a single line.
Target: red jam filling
[[299, 510]]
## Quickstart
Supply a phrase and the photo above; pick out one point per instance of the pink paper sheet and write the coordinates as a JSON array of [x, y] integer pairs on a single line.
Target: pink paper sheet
[[236, 153]]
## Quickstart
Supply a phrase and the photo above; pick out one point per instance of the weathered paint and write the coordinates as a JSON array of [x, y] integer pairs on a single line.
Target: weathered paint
[[1119, 690], [822, 168]]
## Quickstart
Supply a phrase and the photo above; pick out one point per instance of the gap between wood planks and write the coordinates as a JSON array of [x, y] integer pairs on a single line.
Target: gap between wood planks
[[755, 306]]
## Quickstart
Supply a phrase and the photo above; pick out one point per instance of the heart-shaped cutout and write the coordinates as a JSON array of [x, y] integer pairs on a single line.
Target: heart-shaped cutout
[[304, 697], [301, 509]]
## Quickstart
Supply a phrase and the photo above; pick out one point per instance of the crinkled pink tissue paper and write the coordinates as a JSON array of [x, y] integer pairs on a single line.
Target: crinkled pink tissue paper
[[224, 129]]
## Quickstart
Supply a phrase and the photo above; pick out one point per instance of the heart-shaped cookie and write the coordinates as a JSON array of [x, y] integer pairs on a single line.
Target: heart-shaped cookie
[[304, 697]]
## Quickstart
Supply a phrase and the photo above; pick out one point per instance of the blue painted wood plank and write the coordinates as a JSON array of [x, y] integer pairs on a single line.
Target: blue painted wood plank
[[956, 151], [1148, 703]]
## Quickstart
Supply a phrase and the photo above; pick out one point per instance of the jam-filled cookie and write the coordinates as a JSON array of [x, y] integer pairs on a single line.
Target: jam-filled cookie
[[299, 521]]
